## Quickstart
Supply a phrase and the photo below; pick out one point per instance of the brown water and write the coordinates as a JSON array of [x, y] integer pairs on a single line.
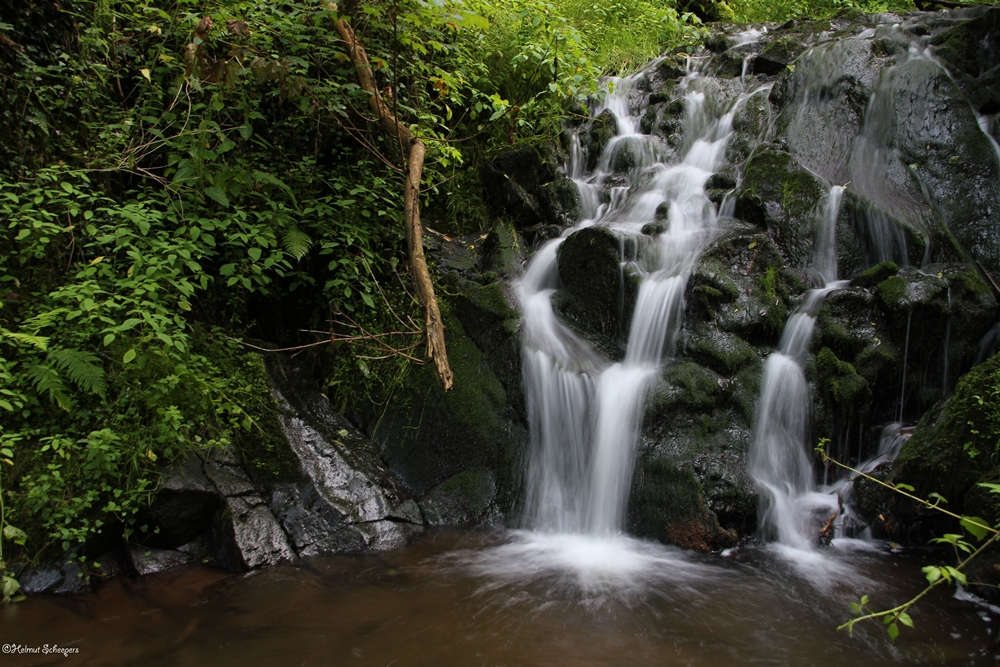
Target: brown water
[[471, 599]]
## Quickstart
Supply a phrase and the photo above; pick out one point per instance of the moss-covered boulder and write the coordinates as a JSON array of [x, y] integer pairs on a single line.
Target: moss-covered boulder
[[782, 197], [740, 285], [690, 486], [953, 448], [429, 435], [465, 499], [528, 187]]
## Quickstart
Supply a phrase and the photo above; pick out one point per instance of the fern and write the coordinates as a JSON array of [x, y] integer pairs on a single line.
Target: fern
[[296, 242], [82, 368], [41, 342], [48, 381], [46, 319]]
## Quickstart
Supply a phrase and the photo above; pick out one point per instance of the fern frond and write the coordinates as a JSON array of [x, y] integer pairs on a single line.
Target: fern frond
[[48, 381], [296, 242], [41, 342], [82, 368], [46, 319]]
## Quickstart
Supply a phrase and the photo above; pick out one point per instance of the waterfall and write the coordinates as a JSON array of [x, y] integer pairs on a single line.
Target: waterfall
[[779, 460], [585, 412]]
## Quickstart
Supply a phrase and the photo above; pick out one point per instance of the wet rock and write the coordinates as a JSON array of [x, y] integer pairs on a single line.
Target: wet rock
[[147, 560], [463, 500], [247, 536], [948, 156], [74, 580], [778, 55], [778, 194], [186, 504], [45, 580], [971, 51], [342, 466], [740, 285], [527, 187], [598, 293]]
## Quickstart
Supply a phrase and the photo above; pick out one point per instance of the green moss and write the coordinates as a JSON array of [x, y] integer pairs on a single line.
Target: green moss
[[841, 382], [697, 387], [475, 485], [880, 273], [872, 361], [725, 353], [430, 435], [955, 445], [746, 390]]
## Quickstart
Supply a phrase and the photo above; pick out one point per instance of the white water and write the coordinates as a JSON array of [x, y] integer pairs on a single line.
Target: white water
[[585, 412], [792, 510]]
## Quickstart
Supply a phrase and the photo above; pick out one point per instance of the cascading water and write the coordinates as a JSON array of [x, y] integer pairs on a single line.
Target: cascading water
[[779, 462], [584, 411]]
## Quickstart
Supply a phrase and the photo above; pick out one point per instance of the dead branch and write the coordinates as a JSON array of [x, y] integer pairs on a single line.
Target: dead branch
[[414, 152]]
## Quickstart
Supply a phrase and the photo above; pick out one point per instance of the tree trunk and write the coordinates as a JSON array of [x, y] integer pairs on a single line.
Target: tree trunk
[[413, 151]]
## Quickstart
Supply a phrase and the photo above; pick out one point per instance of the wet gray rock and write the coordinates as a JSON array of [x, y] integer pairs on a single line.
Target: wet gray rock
[[145, 560], [248, 536], [41, 581], [342, 465]]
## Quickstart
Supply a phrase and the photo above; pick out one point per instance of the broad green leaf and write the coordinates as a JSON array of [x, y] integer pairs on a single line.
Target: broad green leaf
[[128, 356], [978, 527], [216, 193]]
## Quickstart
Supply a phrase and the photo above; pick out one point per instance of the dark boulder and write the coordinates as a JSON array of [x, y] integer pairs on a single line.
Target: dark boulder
[[599, 292]]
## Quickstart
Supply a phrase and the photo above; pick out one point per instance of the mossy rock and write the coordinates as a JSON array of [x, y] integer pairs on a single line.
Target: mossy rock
[[910, 290], [746, 390], [740, 284], [501, 252], [876, 274], [849, 321], [686, 385], [667, 504], [723, 352], [463, 500], [953, 448], [782, 196], [429, 435], [848, 392]]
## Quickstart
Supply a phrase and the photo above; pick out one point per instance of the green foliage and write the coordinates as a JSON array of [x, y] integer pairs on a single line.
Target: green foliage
[[173, 176], [751, 11], [965, 551]]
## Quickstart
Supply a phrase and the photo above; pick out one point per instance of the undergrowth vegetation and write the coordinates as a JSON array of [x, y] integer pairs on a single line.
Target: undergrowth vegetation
[[178, 176]]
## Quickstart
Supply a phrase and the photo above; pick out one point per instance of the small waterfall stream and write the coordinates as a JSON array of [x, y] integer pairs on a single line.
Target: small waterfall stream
[[780, 463], [584, 411]]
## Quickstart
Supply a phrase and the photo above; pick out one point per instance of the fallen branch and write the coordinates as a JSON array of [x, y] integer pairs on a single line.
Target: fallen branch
[[413, 151]]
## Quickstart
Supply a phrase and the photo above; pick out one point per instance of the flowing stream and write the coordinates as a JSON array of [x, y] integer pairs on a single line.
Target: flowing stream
[[584, 411]]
